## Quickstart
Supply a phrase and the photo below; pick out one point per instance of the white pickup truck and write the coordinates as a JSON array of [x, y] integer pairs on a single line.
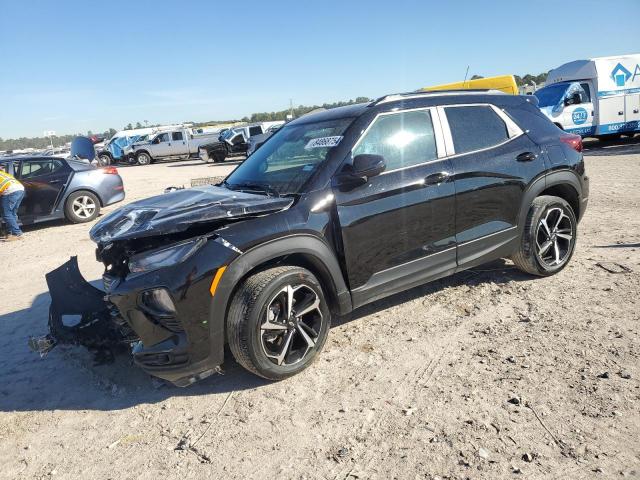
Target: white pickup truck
[[178, 144]]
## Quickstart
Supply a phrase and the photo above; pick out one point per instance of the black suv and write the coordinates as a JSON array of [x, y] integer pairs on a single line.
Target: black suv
[[337, 209]]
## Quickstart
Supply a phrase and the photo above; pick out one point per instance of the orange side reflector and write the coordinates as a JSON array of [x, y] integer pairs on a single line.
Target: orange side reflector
[[216, 280]]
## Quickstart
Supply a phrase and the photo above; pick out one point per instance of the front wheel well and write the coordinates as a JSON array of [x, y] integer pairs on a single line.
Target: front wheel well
[[309, 262], [568, 193]]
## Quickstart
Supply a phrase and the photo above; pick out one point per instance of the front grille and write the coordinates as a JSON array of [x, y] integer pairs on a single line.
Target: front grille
[[171, 323]]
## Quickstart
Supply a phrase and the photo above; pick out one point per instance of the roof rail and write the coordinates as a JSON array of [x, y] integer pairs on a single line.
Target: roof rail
[[433, 93]]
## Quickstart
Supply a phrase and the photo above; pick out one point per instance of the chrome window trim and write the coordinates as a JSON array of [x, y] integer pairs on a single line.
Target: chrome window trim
[[513, 130], [437, 130]]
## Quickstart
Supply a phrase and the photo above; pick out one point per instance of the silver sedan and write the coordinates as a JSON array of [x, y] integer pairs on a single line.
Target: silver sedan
[[57, 188]]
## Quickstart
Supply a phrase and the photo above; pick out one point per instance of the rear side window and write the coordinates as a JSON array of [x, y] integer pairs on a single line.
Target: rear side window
[[39, 168], [403, 139], [176, 136], [254, 131], [475, 127]]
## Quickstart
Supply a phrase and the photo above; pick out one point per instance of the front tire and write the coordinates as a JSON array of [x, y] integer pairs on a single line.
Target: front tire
[[82, 207], [143, 158], [549, 237], [278, 322]]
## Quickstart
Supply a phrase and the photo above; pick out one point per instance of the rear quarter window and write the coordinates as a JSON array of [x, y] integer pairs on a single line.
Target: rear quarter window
[[475, 128]]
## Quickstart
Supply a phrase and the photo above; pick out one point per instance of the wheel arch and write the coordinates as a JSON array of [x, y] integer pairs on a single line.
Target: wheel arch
[[564, 184], [83, 189], [567, 192], [302, 250]]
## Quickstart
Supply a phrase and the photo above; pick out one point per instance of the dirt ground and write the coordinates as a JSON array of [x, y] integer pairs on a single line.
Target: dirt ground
[[488, 374]]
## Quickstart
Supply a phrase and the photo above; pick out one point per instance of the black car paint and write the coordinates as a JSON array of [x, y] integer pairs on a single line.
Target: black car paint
[[363, 243]]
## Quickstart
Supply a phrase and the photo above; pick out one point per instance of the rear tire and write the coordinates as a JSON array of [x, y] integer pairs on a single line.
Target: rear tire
[[82, 207], [266, 334], [143, 158], [218, 157], [549, 237]]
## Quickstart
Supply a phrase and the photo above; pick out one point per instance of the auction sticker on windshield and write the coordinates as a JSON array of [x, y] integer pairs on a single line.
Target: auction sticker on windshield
[[323, 142]]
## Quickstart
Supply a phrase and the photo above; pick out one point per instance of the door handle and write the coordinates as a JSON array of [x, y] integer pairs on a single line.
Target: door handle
[[635, 110], [436, 178], [526, 157], [620, 112]]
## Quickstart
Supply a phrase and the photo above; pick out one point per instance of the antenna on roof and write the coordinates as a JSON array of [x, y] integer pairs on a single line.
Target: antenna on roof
[[466, 74]]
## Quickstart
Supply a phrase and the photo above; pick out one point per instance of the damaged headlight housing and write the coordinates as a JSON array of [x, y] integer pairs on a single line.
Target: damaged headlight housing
[[166, 256]]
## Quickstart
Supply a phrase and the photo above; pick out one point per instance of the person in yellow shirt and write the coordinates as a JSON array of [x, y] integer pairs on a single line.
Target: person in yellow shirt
[[11, 194]]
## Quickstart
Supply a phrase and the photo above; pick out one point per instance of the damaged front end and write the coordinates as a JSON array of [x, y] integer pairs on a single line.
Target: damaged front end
[[161, 256], [79, 315]]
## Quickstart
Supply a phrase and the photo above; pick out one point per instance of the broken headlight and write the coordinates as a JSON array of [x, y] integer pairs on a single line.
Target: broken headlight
[[166, 256]]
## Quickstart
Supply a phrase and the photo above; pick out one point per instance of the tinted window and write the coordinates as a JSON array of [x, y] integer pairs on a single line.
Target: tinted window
[[39, 168], [254, 131], [163, 137], [475, 128], [176, 136], [403, 139]]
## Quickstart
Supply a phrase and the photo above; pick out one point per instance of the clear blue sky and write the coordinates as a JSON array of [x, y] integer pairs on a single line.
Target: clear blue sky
[[71, 66]]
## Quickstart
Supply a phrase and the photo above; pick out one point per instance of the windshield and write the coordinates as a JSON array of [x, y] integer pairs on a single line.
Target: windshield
[[288, 159], [551, 95]]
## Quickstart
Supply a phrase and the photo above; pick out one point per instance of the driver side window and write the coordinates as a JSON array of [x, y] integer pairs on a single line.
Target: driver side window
[[403, 139]]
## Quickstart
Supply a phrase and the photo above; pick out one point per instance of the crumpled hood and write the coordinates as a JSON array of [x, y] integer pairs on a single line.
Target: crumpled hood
[[176, 211]]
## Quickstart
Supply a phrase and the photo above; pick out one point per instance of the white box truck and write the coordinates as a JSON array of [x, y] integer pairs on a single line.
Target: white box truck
[[599, 97]]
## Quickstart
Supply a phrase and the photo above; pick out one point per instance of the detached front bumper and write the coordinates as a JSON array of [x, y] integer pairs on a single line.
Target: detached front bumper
[[166, 316]]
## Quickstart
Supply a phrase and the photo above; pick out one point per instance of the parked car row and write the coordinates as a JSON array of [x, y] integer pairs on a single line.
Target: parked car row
[[148, 145]]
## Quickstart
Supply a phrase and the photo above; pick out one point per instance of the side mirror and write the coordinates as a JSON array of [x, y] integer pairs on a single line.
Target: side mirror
[[363, 168], [366, 166]]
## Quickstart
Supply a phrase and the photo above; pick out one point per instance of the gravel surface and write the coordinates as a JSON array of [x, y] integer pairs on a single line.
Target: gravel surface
[[487, 374]]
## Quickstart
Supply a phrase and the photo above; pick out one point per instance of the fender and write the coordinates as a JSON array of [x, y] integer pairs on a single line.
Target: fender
[[314, 249], [561, 177], [142, 150]]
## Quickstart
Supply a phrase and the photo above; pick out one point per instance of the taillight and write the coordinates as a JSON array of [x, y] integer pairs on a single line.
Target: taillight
[[110, 170], [574, 141]]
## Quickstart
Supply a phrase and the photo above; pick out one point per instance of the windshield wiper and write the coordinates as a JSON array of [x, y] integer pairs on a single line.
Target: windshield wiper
[[253, 187]]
